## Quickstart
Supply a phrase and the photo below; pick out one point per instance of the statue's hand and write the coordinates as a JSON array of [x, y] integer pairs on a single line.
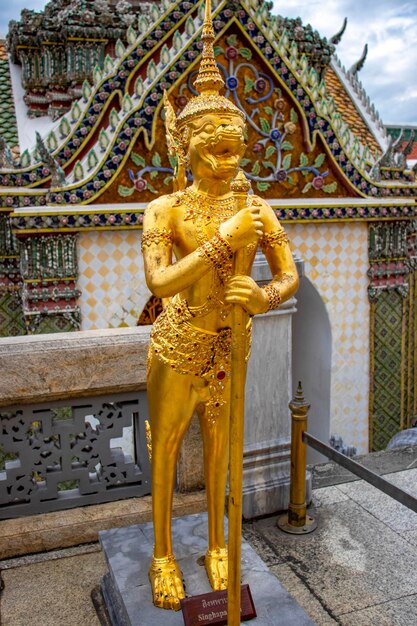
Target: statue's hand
[[243, 228], [244, 291]]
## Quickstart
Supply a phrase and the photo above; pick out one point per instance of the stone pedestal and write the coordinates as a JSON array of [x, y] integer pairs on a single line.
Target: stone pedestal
[[266, 456], [128, 594], [266, 460]]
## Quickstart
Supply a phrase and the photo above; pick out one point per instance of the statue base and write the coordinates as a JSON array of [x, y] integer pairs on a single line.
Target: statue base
[[127, 592]]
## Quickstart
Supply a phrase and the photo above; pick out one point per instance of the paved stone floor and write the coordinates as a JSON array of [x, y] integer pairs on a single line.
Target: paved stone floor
[[359, 568], [53, 589]]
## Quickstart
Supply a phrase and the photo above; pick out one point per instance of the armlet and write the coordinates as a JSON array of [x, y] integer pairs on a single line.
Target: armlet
[[158, 237], [274, 296], [275, 238]]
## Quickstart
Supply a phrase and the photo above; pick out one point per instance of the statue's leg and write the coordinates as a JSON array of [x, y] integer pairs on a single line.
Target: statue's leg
[[216, 457], [171, 400]]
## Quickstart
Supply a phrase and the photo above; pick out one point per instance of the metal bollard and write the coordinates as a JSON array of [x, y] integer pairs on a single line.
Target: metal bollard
[[296, 521]]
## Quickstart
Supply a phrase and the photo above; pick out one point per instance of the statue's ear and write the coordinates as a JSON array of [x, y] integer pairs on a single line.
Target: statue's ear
[[245, 133], [170, 126], [175, 145]]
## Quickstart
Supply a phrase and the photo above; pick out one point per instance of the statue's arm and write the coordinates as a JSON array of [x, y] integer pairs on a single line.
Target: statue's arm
[[275, 246], [244, 290], [164, 277]]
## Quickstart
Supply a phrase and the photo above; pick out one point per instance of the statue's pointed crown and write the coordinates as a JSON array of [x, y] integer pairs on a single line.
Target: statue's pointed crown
[[209, 81]]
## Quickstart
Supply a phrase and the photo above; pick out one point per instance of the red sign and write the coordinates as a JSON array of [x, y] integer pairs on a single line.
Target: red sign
[[211, 608]]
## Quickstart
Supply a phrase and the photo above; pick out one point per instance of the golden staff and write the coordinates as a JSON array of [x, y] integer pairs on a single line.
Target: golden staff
[[240, 187]]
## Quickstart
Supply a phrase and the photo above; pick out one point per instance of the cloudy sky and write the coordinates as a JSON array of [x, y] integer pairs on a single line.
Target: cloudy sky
[[389, 27]]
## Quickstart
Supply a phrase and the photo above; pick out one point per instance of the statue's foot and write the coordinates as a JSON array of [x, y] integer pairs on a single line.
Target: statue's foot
[[216, 567], [166, 582]]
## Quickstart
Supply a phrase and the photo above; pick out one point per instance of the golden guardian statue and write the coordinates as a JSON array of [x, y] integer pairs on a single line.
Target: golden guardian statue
[[190, 241]]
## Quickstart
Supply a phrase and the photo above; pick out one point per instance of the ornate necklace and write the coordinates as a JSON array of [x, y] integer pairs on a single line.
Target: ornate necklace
[[205, 212], [212, 209]]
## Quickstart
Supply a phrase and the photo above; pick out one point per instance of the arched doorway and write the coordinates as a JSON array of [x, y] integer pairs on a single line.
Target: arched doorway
[[150, 312], [311, 360]]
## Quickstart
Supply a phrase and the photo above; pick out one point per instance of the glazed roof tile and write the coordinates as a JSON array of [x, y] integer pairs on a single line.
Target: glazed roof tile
[[8, 124], [348, 110], [413, 154]]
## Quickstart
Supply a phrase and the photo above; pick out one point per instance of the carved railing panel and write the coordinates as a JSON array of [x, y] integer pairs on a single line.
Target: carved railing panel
[[66, 454]]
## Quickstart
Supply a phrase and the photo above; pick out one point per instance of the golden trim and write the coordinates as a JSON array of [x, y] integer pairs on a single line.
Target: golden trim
[[72, 229], [148, 439], [79, 212], [4, 289], [332, 220], [50, 280], [340, 203], [115, 212], [384, 259], [21, 46], [100, 39], [20, 191]]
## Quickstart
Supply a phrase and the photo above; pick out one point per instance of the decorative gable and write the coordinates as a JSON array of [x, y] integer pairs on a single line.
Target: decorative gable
[[300, 143]]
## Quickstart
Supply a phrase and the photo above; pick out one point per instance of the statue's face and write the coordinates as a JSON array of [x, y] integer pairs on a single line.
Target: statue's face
[[216, 146]]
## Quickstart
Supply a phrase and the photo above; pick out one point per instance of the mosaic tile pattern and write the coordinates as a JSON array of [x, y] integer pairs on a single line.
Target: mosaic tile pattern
[[389, 329], [12, 322], [336, 260], [8, 126], [111, 279], [54, 324]]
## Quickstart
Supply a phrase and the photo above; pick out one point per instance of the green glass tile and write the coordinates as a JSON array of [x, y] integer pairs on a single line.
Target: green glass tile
[[12, 322], [8, 124]]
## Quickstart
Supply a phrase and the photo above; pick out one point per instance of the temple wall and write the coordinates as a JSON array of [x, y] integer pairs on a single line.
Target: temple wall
[[336, 258], [111, 279]]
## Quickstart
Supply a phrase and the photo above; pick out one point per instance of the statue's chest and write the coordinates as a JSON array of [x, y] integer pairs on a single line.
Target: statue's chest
[[193, 230], [204, 227], [202, 217]]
